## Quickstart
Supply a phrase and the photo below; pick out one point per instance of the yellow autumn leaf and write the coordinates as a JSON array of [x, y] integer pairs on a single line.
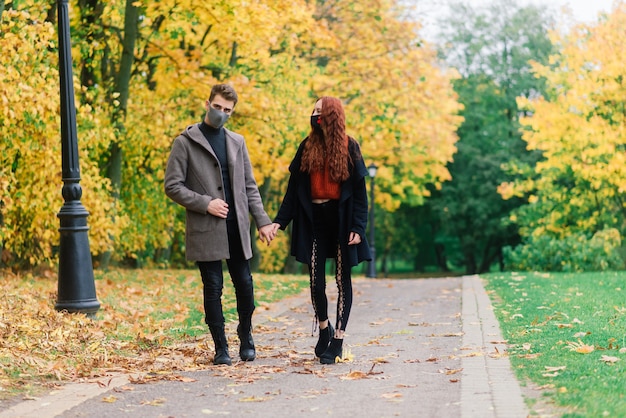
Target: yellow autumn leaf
[[254, 399], [354, 375], [580, 347]]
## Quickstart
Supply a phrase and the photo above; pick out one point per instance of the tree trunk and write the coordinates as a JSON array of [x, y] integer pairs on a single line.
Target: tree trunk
[[122, 87]]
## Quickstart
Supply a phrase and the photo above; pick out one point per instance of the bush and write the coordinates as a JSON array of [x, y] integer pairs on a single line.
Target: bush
[[574, 253]]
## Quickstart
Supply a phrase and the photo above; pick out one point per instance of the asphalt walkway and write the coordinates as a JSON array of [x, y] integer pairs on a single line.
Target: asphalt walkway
[[414, 348]]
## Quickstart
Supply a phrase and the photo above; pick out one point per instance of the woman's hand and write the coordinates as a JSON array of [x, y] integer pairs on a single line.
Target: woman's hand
[[354, 238]]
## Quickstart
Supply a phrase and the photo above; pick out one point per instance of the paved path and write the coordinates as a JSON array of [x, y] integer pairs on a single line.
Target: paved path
[[416, 348]]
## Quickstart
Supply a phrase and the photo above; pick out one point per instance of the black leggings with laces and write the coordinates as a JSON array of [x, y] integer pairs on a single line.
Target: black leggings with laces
[[325, 246]]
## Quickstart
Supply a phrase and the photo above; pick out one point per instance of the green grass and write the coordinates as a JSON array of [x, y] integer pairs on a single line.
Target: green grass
[[547, 317]]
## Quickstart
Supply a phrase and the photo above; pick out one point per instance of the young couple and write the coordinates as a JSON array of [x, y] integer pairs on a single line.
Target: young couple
[[210, 174]]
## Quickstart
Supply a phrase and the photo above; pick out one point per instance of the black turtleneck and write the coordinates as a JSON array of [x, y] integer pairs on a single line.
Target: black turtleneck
[[217, 140]]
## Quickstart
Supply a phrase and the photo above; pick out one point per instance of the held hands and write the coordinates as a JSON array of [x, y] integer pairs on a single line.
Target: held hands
[[267, 233]]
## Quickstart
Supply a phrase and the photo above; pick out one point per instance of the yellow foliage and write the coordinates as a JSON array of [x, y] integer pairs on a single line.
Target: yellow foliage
[[30, 150], [579, 129], [400, 106]]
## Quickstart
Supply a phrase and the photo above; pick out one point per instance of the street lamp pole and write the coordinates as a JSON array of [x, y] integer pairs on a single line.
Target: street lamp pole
[[76, 287], [371, 268]]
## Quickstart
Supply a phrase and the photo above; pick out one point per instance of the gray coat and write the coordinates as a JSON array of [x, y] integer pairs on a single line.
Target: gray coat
[[193, 178]]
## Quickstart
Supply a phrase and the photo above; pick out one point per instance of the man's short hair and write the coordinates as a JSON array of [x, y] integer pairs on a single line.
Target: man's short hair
[[226, 91]]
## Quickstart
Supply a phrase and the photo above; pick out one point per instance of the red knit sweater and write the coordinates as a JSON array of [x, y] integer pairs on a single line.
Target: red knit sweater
[[322, 187]]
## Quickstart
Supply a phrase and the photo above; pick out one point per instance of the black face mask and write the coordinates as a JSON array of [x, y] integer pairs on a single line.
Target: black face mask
[[315, 122]]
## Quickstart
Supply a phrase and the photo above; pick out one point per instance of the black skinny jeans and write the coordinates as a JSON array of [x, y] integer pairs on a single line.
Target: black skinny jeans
[[213, 281], [326, 245]]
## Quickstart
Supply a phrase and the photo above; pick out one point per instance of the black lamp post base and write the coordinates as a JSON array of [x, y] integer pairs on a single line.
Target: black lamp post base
[[76, 286], [87, 307]]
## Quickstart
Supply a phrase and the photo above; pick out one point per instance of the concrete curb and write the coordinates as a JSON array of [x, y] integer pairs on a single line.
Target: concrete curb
[[58, 401], [488, 386]]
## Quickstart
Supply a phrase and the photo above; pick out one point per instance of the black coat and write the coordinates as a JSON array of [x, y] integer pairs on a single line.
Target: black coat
[[297, 206]]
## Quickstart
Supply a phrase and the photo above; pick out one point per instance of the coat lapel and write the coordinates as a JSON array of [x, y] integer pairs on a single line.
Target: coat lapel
[[196, 135], [233, 143]]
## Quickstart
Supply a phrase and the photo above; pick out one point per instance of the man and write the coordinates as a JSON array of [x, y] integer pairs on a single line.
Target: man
[[210, 174]]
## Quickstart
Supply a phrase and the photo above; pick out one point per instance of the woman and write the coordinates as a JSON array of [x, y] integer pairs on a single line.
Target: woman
[[327, 201]]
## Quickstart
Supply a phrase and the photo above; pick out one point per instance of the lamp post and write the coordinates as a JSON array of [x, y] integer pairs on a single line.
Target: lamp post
[[76, 287], [371, 267]]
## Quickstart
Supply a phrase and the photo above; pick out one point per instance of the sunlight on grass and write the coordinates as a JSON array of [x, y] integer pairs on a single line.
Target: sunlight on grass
[[567, 334], [144, 315]]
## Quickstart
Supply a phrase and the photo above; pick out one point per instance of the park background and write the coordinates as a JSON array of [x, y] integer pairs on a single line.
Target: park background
[[501, 146], [499, 143]]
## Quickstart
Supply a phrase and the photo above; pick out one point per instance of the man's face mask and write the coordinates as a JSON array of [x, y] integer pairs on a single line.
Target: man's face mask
[[217, 118]]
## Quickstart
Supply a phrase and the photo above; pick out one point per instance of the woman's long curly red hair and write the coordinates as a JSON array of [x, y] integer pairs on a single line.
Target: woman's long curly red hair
[[331, 145]]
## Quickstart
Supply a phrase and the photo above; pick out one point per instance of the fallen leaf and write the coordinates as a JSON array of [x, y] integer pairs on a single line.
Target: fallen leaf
[[109, 399], [391, 395], [355, 375], [210, 412], [450, 371], [448, 334], [580, 347], [254, 399], [609, 359], [154, 402]]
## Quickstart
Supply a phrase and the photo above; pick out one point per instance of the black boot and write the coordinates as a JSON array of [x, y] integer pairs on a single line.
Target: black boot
[[333, 351], [221, 345], [247, 352], [324, 339]]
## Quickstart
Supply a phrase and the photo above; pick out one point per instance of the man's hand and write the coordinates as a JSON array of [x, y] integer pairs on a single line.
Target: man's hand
[[219, 208], [267, 233], [275, 228]]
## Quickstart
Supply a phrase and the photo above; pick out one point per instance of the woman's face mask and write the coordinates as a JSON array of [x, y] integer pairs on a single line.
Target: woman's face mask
[[316, 121]]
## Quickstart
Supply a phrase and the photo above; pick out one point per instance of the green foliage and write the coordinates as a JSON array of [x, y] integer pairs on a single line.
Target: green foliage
[[492, 49], [573, 253], [565, 333]]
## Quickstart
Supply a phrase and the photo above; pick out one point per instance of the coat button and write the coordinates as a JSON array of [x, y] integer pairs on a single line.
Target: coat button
[[219, 188], [216, 165]]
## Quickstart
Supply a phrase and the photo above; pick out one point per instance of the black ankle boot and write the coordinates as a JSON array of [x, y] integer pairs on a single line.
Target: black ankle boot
[[324, 339], [247, 352], [221, 345], [334, 350]]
